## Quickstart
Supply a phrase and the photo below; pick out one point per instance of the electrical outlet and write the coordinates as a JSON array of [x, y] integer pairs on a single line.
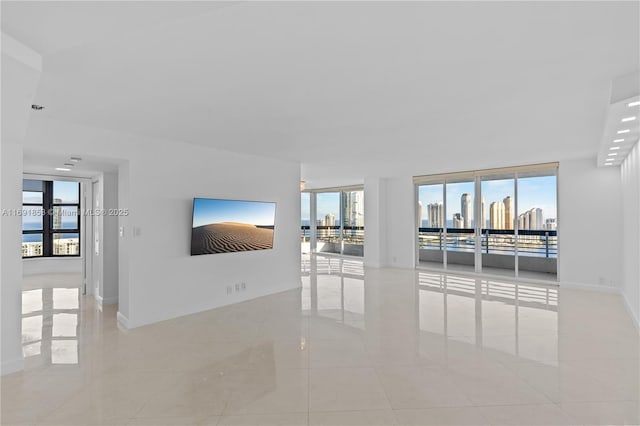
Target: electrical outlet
[[229, 289]]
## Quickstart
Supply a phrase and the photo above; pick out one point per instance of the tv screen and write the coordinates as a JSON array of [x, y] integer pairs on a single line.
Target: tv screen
[[226, 226]]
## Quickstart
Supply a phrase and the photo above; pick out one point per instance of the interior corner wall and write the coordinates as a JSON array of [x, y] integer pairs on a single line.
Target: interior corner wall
[[375, 204], [109, 282], [158, 278], [630, 176], [124, 270], [589, 224], [11, 256]]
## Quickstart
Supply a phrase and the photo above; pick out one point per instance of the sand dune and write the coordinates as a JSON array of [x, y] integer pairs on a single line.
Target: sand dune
[[229, 237]]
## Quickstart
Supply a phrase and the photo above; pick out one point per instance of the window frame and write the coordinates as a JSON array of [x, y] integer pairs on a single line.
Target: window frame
[[48, 205]]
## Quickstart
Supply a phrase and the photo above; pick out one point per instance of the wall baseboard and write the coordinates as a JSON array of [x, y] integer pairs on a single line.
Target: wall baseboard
[[589, 287], [123, 321], [12, 366], [634, 318]]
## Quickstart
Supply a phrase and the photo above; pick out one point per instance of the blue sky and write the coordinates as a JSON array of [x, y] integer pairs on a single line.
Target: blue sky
[[206, 211], [66, 191], [328, 202], [532, 192]]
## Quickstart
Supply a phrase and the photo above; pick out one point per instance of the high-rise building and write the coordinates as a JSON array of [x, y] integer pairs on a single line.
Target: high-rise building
[[496, 215], [354, 208], [32, 248], [57, 217], [535, 218], [508, 212], [483, 214], [550, 224], [532, 219], [420, 214], [521, 221], [329, 220], [435, 215], [66, 246], [466, 207], [458, 220]]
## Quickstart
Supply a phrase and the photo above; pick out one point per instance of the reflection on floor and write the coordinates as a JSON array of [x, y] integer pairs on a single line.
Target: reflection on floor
[[353, 346], [50, 319], [490, 271]]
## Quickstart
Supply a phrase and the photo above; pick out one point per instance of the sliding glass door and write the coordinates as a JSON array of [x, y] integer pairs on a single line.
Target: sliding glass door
[[537, 224], [498, 233], [336, 221], [460, 233], [501, 221], [431, 224], [328, 222], [353, 223]]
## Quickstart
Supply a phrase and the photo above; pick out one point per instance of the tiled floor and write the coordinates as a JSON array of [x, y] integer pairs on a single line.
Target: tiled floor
[[354, 346]]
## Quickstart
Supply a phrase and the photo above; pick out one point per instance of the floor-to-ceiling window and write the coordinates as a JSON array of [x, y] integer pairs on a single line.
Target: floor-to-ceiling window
[[336, 220], [501, 221]]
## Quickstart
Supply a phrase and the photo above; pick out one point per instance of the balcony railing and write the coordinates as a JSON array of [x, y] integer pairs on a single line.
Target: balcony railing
[[331, 234], [535, 243]]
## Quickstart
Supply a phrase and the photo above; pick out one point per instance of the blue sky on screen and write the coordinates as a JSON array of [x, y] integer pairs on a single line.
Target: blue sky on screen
[[207, 211]]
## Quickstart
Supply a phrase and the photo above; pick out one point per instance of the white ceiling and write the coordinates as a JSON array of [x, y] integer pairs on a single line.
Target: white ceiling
[[348, 89], [45, 164]]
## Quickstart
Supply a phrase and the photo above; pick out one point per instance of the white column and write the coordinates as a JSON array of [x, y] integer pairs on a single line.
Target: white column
[[375, 222]]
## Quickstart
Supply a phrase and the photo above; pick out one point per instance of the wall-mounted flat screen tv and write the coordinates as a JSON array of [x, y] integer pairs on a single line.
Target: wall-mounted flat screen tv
[[226, 226]]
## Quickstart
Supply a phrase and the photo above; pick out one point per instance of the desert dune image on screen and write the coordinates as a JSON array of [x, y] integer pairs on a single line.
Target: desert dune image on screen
[[225, 226]]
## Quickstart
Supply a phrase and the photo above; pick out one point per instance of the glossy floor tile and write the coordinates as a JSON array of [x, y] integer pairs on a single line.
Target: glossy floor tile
[[353, 346]]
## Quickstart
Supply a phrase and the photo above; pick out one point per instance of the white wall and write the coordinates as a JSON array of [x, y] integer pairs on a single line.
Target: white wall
[[589, 197], [124, 271], [51, 265], [590, 224], [11, 256], [157, 185], [630, 288], [21, 66]]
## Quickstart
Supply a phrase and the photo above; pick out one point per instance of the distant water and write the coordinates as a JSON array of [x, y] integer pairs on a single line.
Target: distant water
[[31, 238]]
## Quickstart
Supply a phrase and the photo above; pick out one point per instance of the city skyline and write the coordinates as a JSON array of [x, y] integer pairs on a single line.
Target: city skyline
[[328, 203], [533, 192]]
